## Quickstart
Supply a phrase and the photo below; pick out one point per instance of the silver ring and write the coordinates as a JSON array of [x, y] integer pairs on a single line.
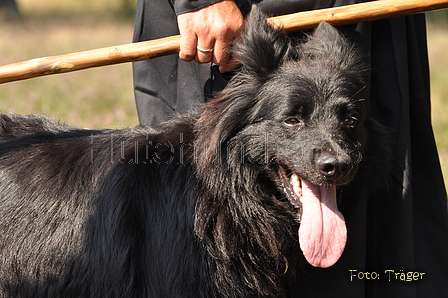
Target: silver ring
[[204, 51]]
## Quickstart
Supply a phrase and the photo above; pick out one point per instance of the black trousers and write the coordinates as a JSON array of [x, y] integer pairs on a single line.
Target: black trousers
[[403, 228]]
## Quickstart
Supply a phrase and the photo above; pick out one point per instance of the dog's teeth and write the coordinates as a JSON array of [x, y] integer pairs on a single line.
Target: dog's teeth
[[296, 184]]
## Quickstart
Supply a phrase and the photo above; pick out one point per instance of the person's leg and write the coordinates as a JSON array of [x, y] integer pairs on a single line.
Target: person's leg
[[164, 86]]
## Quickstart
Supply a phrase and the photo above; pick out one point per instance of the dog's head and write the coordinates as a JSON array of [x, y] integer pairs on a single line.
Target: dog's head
[[299, 111]]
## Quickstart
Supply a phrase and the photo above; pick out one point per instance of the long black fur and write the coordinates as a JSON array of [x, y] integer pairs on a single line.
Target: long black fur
[[197, 208]]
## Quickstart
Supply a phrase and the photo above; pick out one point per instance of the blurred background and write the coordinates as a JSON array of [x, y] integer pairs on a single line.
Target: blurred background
[[103, 97], [98, 97]]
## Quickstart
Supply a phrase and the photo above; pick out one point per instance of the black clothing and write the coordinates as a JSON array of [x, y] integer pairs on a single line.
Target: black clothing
[[402, 228]]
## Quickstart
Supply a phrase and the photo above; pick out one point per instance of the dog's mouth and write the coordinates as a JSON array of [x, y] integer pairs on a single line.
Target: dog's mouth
[[322, 231]]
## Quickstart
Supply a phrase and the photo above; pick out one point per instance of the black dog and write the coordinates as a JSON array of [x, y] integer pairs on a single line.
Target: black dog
[[211, 205]]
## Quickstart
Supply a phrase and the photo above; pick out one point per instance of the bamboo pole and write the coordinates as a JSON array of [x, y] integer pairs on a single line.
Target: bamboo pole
[[356, 13]]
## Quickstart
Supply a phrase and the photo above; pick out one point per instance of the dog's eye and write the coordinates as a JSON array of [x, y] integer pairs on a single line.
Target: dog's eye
[[350, 121], [292, 121]]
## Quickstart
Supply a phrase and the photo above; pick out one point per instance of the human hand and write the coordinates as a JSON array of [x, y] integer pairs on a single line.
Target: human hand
[[212, 29]]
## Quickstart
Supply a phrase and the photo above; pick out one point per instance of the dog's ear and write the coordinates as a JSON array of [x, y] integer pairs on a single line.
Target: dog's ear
[[263, 47], [329, 44]]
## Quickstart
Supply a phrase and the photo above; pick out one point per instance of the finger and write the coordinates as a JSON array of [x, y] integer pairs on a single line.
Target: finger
[[204, 52], [221, 54], [188, 49], [234, 60], [233, 63], [224, 47]]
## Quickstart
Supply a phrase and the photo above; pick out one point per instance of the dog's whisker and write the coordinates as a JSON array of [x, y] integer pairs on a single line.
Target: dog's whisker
[[359, 91]]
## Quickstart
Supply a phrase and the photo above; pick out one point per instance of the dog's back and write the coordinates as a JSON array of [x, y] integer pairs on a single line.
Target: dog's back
[[46, 195], [14, 125], [78, 205]]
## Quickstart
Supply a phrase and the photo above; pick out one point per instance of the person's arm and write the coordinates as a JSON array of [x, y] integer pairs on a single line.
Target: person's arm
[[183, 6], [213, 28]]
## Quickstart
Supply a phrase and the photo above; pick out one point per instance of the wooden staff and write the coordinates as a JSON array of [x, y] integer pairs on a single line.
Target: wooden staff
[[356, 13]]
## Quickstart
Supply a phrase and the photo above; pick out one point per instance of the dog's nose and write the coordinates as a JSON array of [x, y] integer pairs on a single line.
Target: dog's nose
[[334, 167]]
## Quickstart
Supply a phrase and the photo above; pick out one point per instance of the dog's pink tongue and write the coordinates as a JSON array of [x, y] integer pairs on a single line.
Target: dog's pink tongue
[[322, 232]]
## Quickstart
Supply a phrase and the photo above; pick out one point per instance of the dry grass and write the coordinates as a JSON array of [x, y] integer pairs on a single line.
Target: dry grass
[[438, 59], [103, 97]]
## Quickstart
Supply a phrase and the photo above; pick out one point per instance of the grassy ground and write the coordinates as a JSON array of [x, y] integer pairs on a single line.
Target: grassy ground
[[438, 59], [103, 97], [100, 97]]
